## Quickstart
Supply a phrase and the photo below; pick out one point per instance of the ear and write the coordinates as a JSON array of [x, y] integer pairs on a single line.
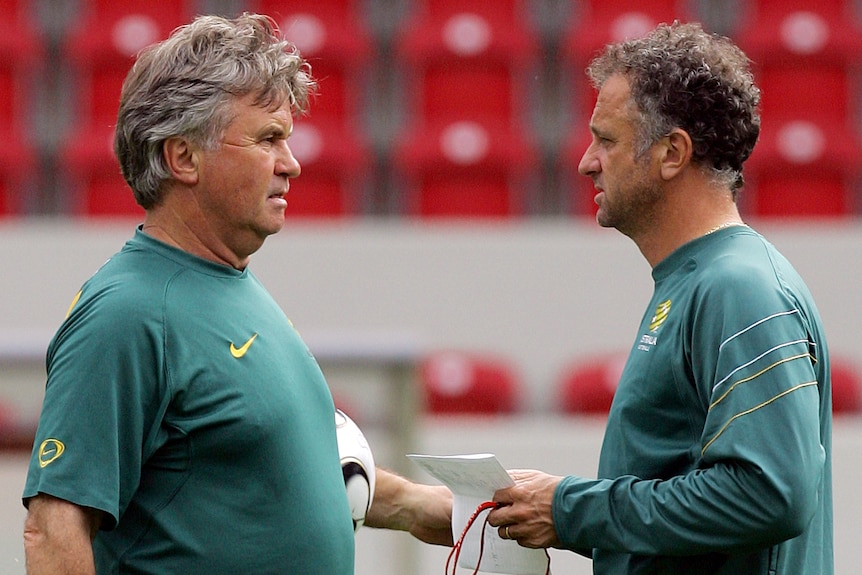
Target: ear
[[675, 153], [182, 158]]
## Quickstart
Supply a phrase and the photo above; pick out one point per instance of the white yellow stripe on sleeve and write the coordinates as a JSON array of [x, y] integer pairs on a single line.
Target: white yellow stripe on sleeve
[[729, 377]]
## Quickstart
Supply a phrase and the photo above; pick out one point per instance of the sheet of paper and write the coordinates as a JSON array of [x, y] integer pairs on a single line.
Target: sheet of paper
[[473, 479]]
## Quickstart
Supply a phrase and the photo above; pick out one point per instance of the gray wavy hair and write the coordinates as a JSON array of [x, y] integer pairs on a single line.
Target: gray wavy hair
[[184, 86], [683, 77]]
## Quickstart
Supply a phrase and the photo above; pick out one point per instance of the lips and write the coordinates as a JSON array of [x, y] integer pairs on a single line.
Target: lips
[[278, 194], [598, 194], [278, 197]]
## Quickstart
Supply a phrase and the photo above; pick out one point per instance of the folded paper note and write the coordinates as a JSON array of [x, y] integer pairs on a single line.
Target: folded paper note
[[473, 479]]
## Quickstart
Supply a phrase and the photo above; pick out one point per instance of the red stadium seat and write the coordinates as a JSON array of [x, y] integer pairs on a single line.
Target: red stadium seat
[[21, 59], [781, 32], [457, 382], [803, 167], [777, 194], [809, 160], [335, 171], [466, 168], [466, 146], [469, 59], [823, 93], [795, 172], [846, 386], [587, 386]]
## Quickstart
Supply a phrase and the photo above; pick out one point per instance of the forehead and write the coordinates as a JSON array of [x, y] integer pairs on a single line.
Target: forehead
[[613, 104], [248, 113]]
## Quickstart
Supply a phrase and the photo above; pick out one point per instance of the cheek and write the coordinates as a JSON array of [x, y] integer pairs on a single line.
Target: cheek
[[244, 179]]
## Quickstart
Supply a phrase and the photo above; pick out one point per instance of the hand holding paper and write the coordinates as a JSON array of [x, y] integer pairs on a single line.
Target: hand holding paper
[[473, 479], [528, 508]]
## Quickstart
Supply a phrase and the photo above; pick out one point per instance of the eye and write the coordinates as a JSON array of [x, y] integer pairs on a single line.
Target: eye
[[274, 137]]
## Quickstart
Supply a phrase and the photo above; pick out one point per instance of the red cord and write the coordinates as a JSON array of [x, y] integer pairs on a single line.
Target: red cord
[[456, 548]]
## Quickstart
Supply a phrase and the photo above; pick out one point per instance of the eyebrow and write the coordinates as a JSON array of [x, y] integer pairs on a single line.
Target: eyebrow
[[276, 128], [595, 130]]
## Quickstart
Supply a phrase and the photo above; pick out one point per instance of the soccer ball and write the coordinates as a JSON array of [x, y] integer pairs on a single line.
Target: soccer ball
[[357, 465]]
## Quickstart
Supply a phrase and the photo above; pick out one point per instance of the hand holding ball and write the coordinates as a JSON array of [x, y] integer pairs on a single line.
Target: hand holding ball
[[357, 465]]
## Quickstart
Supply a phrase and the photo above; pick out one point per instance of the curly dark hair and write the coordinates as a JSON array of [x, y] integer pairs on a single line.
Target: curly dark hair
[[683, 77]]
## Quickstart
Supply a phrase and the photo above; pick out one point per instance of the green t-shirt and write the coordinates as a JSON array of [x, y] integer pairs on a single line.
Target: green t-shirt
[[182, 403], [716, 457]]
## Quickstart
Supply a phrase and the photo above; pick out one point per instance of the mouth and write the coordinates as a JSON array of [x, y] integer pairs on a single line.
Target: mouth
[[278, 197]]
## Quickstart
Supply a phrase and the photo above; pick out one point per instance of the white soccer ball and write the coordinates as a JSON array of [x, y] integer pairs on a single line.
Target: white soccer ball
[[357, 465]]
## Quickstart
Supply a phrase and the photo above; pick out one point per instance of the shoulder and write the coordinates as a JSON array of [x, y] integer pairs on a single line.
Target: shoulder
[[742, 260], [742, 278], [128, 283], [128, 290]]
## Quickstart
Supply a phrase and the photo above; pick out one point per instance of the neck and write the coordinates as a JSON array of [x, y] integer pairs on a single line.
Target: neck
[[158, 232], [687, 216], [171, 228], [727, 224]]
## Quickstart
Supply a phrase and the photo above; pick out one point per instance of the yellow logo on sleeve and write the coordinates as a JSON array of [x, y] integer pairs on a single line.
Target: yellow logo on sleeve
[[238, 353], [49, 451], [660, 315]]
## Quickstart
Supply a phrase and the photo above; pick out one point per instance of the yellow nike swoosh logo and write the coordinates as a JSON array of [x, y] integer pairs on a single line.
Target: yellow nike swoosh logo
[[49, 451], [238, 353]]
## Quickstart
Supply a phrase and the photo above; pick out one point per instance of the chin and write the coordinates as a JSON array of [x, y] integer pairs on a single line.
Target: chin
[[273, 225], [602, 217]]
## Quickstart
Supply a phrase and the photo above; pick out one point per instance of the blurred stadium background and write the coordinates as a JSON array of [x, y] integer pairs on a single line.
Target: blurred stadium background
[[440, 255]]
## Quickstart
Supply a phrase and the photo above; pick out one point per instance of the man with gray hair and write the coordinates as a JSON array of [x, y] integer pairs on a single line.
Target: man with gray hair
[[186, 428], [717, 453]]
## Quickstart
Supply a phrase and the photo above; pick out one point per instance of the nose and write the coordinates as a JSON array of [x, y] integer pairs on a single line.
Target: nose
[[589, 164], [286, 163]]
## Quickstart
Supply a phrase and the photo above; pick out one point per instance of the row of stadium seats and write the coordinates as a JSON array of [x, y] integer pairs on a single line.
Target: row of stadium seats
[[458, 108], [464, 382]]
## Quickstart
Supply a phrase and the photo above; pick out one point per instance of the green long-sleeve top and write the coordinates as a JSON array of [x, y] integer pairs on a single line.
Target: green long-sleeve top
[[717, 453]]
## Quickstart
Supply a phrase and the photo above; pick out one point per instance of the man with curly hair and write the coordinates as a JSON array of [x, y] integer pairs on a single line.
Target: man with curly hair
[[717, 454]]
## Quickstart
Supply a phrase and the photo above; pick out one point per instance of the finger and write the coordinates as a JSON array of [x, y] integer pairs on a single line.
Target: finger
[[503, 497], [499, 517]]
